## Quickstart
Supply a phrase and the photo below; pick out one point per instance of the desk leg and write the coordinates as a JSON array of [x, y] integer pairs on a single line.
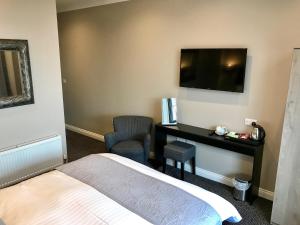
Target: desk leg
[[160, 142], [256, 171]]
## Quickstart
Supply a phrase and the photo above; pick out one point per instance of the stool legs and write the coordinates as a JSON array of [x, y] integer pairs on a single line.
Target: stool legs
[[193, 165], [164, 164], [182, 171]]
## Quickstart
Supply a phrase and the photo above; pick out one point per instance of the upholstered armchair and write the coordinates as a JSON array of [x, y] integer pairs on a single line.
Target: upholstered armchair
[[131, 137]]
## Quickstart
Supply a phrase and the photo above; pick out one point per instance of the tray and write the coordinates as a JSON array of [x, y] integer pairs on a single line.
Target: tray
[[243, 141]]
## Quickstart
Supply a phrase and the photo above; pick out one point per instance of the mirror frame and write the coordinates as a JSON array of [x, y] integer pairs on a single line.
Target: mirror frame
[[27, 88]]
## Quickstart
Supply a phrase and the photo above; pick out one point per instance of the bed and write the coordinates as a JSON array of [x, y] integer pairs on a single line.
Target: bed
[[110, 189]]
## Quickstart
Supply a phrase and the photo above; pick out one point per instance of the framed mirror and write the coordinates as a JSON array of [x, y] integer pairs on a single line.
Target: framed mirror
[[15, 74]]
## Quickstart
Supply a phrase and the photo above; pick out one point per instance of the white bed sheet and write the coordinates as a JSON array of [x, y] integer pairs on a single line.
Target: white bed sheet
[[57, 199]]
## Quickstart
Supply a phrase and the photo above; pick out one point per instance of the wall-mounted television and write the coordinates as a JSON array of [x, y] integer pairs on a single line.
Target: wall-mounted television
[[214, 69]]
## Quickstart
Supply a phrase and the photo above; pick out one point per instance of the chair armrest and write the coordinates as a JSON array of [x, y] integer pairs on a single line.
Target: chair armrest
[[110, 140], [147, 144]]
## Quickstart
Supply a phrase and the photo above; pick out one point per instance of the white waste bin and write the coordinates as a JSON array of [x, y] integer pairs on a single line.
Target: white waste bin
[[241, 185]]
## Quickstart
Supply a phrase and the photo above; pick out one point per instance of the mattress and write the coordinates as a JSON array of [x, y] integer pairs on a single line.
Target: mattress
[[109, 189]]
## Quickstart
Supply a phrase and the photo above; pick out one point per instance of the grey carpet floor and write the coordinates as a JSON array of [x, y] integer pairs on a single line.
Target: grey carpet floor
[[257, 214]]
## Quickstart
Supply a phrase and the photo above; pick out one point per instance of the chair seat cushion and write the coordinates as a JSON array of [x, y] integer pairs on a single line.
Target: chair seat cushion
[[179, 151], [130, 149]]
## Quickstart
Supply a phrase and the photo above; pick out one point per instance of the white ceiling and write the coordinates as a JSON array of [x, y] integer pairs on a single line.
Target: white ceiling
[[68, 5]]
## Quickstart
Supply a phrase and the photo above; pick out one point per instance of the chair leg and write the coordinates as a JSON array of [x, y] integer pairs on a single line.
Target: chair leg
[[164, 164], [194, 165], [175, 164], [182, 171]]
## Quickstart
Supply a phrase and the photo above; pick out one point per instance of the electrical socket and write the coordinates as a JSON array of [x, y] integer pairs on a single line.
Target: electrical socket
[[249, 122]]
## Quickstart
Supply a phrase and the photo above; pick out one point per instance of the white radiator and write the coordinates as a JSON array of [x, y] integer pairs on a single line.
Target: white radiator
[[26, 161]]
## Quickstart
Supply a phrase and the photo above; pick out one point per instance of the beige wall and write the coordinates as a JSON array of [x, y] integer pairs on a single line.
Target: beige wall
[[35, 21], [123, 58]]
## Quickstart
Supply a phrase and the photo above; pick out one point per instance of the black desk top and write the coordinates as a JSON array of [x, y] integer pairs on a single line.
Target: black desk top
[[202, 135]]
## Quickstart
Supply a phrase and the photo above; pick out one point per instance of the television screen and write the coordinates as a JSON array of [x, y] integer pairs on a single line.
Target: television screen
[[215, 69]]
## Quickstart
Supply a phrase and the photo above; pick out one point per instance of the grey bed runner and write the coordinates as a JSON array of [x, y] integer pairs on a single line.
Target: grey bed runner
[[154, 200]]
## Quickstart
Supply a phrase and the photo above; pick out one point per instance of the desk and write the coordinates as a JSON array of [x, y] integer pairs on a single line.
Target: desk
[[203, 136]]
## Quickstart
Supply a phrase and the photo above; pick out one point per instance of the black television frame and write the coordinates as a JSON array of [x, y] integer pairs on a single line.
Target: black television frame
[[234, 91]]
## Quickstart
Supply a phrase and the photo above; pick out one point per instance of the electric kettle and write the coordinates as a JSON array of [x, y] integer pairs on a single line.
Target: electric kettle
[[258, 133]]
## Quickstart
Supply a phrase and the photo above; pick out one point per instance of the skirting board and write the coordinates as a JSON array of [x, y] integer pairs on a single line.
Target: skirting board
[[84, 132], [199, 171], [263, 193]]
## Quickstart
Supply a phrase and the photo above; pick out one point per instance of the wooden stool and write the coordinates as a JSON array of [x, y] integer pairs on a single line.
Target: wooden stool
[[182, 152]]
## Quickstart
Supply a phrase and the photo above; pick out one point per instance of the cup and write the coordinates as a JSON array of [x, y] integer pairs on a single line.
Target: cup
[[221, 130]]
